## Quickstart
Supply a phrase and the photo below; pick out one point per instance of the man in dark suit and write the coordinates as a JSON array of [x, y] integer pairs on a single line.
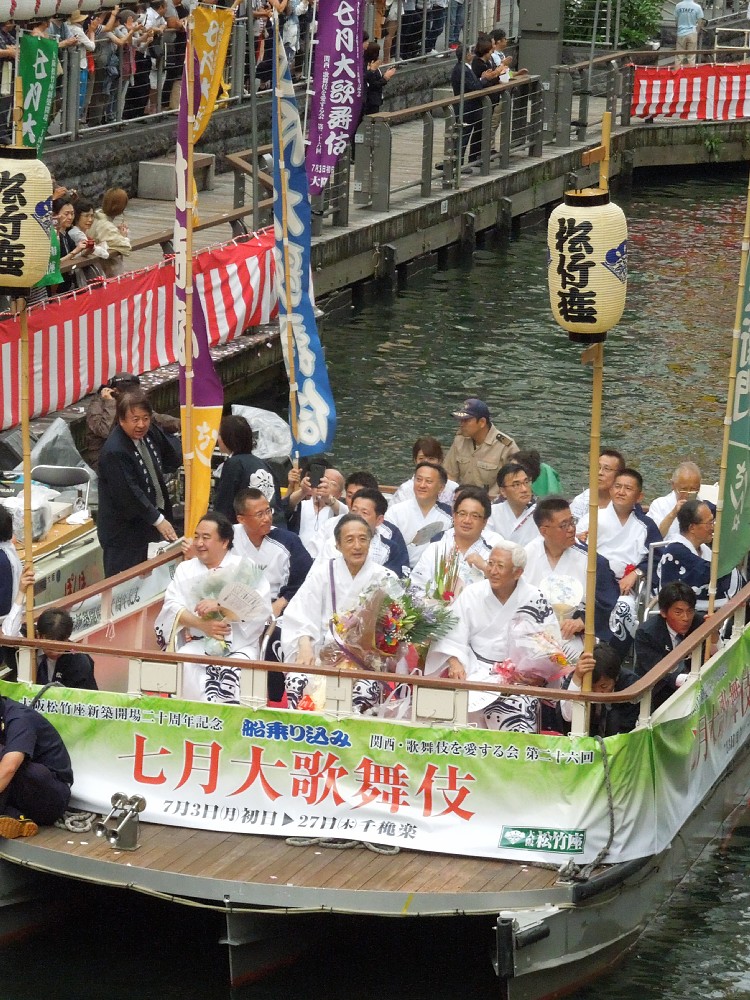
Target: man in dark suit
[[472, 120], [660, 634], [134, 506]]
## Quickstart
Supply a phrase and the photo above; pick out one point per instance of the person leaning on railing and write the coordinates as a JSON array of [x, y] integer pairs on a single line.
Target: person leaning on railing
[[104, 229]]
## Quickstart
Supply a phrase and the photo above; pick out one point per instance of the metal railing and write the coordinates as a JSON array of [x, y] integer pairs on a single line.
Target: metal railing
[[98, 609], [517, 112]]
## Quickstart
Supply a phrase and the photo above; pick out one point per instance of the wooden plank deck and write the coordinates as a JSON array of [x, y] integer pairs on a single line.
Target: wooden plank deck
[[216, 859]]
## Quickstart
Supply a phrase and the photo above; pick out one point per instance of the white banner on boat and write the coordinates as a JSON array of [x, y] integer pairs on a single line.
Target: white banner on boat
[[466, 791]]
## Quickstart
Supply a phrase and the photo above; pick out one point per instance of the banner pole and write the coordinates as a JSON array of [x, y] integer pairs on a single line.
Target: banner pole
[[285, 231], [20, 305], [190, 207], [730, 409]]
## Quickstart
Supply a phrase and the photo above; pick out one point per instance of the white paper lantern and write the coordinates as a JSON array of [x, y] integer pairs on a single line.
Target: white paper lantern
[[25, 217], [587, 258]]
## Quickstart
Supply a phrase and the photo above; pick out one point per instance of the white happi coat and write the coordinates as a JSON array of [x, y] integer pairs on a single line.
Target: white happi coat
[[272, 557], [406, 492], [409, 519], [423, 573], [521, 529], [481, 637], [311, 525], [621, 545], [199, 682], [310, 610], [573, 562], [659, 510]]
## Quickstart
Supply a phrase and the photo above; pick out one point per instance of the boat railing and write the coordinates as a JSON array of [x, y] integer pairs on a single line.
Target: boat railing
[[122, 642]]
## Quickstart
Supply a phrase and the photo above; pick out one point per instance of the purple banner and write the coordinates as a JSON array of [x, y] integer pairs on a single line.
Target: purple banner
[[338, 87]]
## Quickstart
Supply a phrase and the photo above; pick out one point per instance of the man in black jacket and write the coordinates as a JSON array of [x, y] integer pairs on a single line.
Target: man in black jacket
[[472, 120], [660, 634], [134, 506]]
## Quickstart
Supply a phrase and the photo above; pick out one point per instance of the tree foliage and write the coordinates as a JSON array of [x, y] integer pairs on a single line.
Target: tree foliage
[[640, 20]]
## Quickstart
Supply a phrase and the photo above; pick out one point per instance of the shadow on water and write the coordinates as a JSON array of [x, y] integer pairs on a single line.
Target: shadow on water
[[400, 367]]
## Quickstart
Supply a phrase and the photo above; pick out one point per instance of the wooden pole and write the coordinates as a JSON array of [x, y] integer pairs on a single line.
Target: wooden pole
[[729, 410], [189, 207], [284, 193], [20, 306], [595, 355]]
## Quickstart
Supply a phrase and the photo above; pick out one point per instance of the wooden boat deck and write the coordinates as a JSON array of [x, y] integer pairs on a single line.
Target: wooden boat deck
[[246, 870]]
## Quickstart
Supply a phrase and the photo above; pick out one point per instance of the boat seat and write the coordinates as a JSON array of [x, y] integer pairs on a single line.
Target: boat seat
[[63, 476]]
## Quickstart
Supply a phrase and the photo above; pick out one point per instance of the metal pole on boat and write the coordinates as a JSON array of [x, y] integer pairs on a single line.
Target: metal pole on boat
[[284, 195], [187, 429], [728, 418]]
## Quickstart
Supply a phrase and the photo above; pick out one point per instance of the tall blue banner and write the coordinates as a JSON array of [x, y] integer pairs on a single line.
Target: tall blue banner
[[312, 411]]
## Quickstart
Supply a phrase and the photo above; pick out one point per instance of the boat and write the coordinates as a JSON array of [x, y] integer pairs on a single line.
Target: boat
[[562, 847]]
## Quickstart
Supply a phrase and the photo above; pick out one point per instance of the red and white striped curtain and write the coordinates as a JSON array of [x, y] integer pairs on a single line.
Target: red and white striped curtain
[[694, 93], [127, 324]]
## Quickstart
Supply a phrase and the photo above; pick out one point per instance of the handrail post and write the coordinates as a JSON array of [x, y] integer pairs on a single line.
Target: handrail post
[[563, 108], [583, 114], [612, 81], [627, 74], [381, 167], [363, 146], [451, 148], [486, 144], [428, 139], [506, 124], [340, 190], [239, 40], [536, 125]]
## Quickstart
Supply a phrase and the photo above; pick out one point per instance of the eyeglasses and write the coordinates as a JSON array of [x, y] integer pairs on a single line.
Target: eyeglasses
[[261, 515], [466, 515], [517, 483], [709, 520], [567, 524]]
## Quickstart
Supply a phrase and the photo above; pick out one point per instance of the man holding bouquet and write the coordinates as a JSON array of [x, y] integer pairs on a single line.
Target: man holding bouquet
[[217, 605]]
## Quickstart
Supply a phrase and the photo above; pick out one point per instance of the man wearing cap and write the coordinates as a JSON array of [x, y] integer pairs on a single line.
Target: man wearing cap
[[101, 412], [479, 449]]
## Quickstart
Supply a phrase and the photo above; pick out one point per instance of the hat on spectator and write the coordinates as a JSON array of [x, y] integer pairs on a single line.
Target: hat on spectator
[[473, 409], [77, 17]]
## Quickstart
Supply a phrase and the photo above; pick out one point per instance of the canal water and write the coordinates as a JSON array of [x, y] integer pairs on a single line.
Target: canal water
[[398, 370]]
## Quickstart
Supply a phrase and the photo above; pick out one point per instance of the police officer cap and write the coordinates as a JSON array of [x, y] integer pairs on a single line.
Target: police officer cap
[[473, 408]]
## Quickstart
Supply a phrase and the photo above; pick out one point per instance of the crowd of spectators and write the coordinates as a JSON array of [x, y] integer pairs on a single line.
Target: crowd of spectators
[[129, 58]]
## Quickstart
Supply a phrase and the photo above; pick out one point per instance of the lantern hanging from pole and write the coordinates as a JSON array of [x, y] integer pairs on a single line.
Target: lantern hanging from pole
[[587, 264], [25, 218]]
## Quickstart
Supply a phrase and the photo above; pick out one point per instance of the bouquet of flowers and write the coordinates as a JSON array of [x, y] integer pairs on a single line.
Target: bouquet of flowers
[[213, 585], [388, 617], [534, 655], [445, 577]]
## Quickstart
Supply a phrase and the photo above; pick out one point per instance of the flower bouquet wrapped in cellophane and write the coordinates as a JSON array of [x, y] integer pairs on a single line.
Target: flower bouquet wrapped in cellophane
[[535, 655], [445, 576], [212, 585], [375, 634]]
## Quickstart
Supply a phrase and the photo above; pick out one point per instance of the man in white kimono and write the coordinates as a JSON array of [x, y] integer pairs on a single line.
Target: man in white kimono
[[422, 517], [469, 537], [610, 463], [332, 586], [513, 517], [686, 485], [310, 507], [487, 614], [623, 537], [198, 624], [558, 564]]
